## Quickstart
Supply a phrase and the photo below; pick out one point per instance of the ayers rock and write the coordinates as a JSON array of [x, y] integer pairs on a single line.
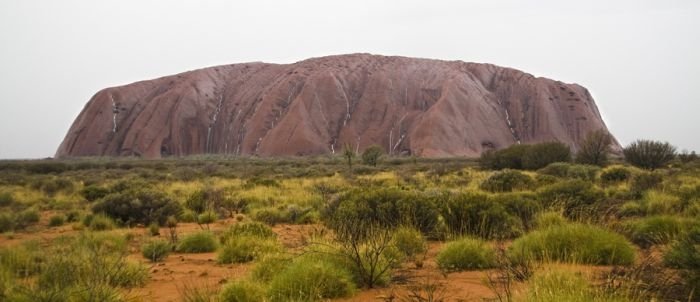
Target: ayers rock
[[412, 106]]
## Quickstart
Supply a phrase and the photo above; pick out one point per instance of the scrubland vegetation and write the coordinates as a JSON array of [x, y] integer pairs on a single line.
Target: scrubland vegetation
[[532, 223]]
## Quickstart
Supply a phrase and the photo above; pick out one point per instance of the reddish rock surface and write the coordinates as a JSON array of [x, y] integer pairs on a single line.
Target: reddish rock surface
[[412, 106]]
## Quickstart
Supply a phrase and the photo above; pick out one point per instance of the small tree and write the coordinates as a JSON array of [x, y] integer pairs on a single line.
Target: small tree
[[371, 155], [349, 155], [540, 155], [595, 148], [649, 154]]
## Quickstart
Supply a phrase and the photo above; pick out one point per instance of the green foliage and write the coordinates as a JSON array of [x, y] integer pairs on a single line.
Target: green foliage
[[507, 181], [269, 266], [251, 229], [311, 279], [204, 200], [6, 199], [138, 206], [94, 192], [522, 205], [475, 214], [240, 249], [559, 285], [648, 231], [466, 254], [549, 219], [566, 170], [508, 158], [685, 256], [57, 220], [26, 218], [409, 241], [268, 215], [7, 223], [156, 250], [371, 155], [645, 181], [576, 197], [573, 242], [154, 229], [207, 217], [594, 148], [615, 174], [200, 242], [242, 291], [559, 169], [540, 155], [649, 154], [99, 223], [388, 207]]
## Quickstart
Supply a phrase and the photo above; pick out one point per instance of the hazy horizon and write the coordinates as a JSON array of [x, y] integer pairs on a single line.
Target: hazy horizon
[[639, 59]]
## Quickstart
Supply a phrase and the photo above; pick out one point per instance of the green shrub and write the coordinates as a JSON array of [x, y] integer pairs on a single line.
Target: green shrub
[[7, 223], [615, 174], [251, 229], [57, 220], [576, 197], [507, 181], [559, 169], [138, 206], [311, 279], [100, 223], [371, 155], [649, 154], [201, 242], [540, 155], [269, 266], [594, 148], [242, 291], [466, 254], [630, 209], [409, 241], [154, 229], [6, 199], [559, 285], [207, 217], [522, 205], [240, 249], [156, 250], [94, 192], [508, 158], [573, 243], [269, 216], [26, 218], [388, 207], [549, 219], [656, 229], [477, 215], [685, 256], [645, 181], [187, 215], [583, 172]]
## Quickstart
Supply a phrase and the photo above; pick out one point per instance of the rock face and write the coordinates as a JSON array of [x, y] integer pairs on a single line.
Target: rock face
[[412, 106]]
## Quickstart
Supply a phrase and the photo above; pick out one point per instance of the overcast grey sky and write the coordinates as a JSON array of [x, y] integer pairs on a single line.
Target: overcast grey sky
[[640, 59]]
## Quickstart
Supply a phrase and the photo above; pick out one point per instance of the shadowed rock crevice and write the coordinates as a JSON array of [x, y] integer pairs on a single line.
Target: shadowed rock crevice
[[411, 106]]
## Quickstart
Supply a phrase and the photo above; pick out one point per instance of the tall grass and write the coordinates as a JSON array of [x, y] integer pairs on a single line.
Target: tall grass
[[574, 242]]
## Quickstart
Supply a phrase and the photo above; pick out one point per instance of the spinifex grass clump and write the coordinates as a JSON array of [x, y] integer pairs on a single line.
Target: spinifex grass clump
[[466, 254], [241, 249], [311, 278], [558, 286], [648, 231], [242, 291], [156, 250], [201, 242], [573, 242]]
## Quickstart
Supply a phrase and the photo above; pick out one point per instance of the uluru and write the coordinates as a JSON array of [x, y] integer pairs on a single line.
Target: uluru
[[408, 106]]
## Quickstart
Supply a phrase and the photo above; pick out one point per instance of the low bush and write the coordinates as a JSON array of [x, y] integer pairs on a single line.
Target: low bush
[[559, 285], [242, 291], [6, 199], [269, 266], [540, 155], [269, 216], [576, 197], [138, 206], [94, 192], [549, 219], [507, 181], [240, 249], [615, 174], [409, 241], [630, 209], [156, 250], [653, 230], [685, 256], [57, 220], [573, 242], [475, 214], [583, 172], [466, 254], [251, 229], [311, 279], [649, 154], [7, 223], [522, 205], [508, 158], [645, 180], [26, 218], [560, 170], [208, 217], [201, 242], [99, 223]]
